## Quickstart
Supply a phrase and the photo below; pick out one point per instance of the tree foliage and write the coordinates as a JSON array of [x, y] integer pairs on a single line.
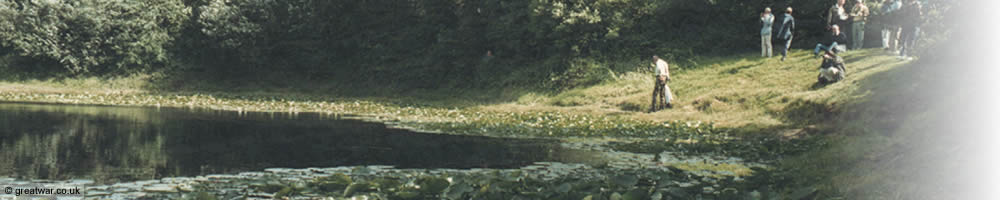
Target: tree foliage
[[429, 43], [99, 36]]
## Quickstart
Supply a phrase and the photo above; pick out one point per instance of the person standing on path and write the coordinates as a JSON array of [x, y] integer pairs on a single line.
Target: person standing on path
[[661, 93], [859, 15], [785, 32], [766, 21]]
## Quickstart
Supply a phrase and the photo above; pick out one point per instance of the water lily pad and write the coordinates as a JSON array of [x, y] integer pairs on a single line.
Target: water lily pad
[[707, 190], [386, 184], [185, 187], [267, 187], [285, 192], [131, 195], [456, 191], [358, 187], [636, 194], [615, 196], [146, 182], [159, 188], [755, 195], [254, 195], [101, 187], [407, 195], [678, 193], [204, 196], [97, 193], [430, 185], [335, 182], [656, 196], [563, 188], [625, 180]]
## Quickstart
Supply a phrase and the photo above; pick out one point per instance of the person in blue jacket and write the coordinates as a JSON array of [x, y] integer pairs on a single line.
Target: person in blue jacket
[[785, 32]]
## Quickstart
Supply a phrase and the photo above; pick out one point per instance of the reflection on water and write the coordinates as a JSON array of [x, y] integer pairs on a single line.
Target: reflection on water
[[112, 144]]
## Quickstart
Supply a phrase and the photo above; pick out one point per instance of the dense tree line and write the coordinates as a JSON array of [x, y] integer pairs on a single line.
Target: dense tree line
[[426, 43]]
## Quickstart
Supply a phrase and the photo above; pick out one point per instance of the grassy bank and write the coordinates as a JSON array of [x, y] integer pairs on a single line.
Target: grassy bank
[[719, 100], [742, 91], [722, 97]]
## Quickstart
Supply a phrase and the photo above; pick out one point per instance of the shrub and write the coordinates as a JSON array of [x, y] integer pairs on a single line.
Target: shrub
[[99, 36]]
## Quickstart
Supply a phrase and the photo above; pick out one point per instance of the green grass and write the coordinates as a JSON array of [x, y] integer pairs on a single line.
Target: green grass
[[732, 91], [734, 95], [894, 140], [740, 91]]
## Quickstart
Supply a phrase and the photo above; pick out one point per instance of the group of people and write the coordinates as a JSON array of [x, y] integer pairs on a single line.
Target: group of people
[[784, 34], [900, 21], [901, 25]]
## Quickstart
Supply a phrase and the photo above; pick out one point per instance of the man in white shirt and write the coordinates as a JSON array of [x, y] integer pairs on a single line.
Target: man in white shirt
[[660, 90]]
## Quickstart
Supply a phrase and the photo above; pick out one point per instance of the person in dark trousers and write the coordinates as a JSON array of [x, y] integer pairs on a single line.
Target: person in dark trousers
[[661, 93], [890, 28], [910, 19], [785, 32], [837, 41]]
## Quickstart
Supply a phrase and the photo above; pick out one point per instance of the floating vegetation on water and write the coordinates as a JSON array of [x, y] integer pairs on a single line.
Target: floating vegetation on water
[[471, 121], [637, 167], [540, 181], [626, 175]]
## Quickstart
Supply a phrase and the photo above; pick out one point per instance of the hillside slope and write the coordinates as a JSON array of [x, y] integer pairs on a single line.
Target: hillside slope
[[744, 93]]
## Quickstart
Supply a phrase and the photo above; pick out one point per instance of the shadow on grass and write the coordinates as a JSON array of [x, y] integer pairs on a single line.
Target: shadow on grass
[[741, 68], [805, 112], [854, 59], [888, 137], [817, 85]]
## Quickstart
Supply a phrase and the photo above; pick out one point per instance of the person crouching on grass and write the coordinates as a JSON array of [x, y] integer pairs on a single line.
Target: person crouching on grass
[[661, 92], [832, 69]]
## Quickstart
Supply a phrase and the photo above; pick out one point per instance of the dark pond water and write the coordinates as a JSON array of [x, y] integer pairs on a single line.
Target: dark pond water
[[112, 144]]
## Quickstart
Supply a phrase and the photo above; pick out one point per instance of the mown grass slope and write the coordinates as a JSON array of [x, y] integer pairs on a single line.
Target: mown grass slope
[[737, 91]]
